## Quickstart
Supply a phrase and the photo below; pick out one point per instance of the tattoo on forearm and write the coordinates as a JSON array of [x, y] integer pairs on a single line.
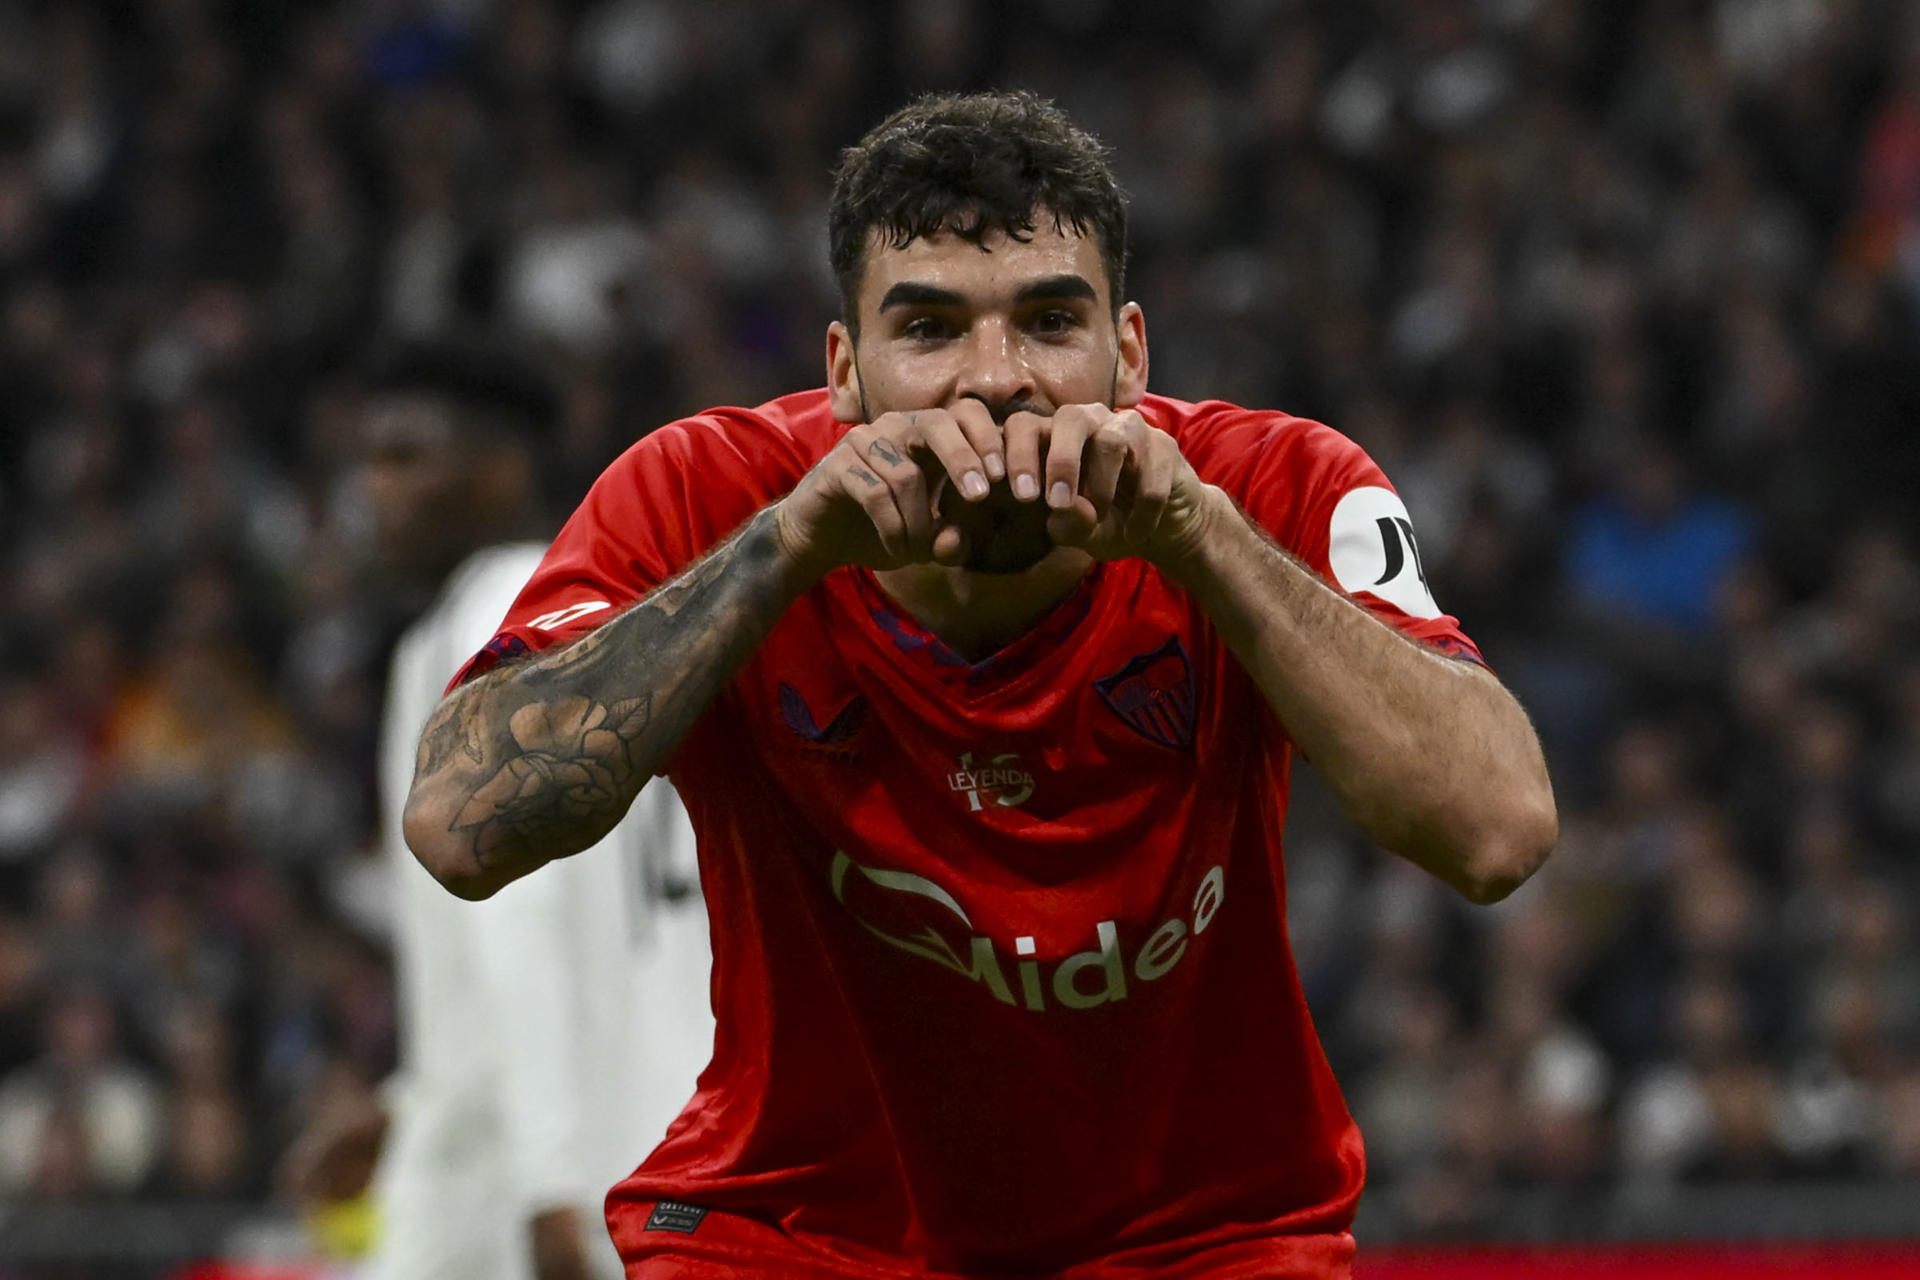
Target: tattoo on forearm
[[443, 736], [557, 747], [437, 745]]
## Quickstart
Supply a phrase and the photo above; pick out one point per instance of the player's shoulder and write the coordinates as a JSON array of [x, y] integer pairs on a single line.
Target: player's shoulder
[[780, 439], [1229, 444], [711, 470]]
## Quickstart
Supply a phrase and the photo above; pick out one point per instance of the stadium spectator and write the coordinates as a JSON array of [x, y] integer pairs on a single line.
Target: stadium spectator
[[81, 1119]]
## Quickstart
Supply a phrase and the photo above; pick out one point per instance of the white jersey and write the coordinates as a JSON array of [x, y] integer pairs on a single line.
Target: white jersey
[[547, 1035]]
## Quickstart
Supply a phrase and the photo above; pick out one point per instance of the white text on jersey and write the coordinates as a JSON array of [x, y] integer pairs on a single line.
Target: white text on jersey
[[1083, 980], [1003, 779]]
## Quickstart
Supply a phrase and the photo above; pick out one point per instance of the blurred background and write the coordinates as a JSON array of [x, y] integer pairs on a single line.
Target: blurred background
[[1625, 297]]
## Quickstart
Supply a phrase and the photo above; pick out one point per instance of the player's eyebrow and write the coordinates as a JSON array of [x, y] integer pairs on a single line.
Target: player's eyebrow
[[1066, 286], [909, 294], [1060, 288]]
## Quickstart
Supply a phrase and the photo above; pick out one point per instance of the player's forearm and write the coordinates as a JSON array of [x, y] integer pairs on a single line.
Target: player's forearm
[[539, 760], [1431, 756]]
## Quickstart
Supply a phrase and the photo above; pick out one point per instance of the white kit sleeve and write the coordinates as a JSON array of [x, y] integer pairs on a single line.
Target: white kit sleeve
[[532, 980], [529, 974]]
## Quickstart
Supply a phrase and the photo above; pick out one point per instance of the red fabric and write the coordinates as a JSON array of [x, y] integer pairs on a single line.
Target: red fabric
[[1000, 957]]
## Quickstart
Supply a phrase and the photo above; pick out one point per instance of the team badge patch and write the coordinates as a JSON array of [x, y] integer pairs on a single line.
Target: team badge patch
[[1153, 693], [675, 1215]]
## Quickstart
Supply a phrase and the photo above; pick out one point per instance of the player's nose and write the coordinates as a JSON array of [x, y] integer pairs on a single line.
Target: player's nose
[[994, 371]]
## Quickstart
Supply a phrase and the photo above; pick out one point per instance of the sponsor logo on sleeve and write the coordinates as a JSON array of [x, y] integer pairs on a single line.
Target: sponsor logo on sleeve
[[1371, 547]]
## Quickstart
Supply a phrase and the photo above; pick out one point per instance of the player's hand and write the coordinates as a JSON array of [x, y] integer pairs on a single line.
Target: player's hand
[[333, 1158], [1114, 484], [873, 500]]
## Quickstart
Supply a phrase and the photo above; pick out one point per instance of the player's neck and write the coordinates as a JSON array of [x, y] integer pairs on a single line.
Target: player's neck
[[978, 614]]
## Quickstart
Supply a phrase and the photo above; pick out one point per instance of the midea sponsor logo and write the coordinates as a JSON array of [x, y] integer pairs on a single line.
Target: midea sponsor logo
[[929, 922]]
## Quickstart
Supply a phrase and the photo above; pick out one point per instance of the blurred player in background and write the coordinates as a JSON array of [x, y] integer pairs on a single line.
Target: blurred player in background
[[980, 670], [546, 1037]]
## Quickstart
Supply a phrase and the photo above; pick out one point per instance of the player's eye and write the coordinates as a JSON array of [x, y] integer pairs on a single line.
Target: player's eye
[[1054, 322], [928, 329]]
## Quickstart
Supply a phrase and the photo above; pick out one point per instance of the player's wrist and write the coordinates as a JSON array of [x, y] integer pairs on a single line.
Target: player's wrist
[[1187, 532], [800, 563]]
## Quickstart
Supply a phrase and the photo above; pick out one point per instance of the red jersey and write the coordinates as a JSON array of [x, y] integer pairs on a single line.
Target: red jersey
[[1001, 971]]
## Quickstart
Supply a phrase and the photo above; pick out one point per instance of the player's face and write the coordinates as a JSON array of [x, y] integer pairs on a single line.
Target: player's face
[[1016, 325], [414, 480]]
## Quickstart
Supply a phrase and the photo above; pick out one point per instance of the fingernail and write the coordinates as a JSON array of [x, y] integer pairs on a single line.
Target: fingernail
[[996, 468], [1059, 496], [1025, 487], [974, 485]]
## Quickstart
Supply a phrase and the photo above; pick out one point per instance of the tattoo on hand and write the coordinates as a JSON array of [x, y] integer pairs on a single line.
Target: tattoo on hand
[[861, 473], [885, 452]]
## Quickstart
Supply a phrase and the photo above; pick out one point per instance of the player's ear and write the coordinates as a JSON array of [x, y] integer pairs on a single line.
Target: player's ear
[[1130, 363], [843, 375]]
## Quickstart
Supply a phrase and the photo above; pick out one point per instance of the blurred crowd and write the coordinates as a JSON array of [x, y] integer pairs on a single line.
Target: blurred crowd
[[1624, 295]]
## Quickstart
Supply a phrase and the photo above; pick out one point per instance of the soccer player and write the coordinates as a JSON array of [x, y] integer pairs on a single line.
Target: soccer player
[[547, 1036], [980, 670]]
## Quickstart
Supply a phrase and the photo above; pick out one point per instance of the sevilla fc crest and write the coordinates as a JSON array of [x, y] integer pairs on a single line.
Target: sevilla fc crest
[[1153, 693]]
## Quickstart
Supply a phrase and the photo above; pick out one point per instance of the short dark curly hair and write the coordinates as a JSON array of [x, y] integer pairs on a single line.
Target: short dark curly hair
[[973, 165]]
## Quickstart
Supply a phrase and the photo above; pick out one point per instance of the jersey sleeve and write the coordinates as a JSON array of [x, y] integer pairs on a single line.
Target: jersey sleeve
[[663, 504], [1322, 498]]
